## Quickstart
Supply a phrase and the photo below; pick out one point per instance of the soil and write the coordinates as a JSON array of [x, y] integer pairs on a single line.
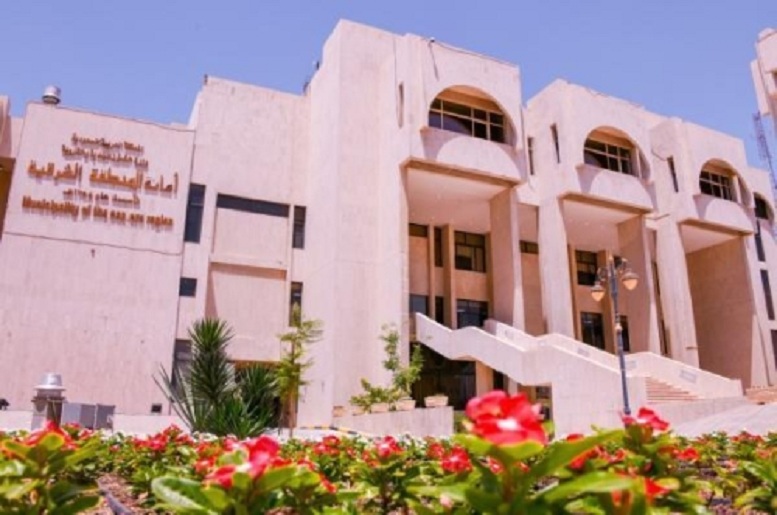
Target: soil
[[120, 490]]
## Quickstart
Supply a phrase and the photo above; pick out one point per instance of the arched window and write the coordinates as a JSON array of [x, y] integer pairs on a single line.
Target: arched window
[[718, 180], [464, 111], [611, 151]]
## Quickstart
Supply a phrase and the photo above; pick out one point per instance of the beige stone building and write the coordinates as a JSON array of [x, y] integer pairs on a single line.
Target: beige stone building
[[409, 177]]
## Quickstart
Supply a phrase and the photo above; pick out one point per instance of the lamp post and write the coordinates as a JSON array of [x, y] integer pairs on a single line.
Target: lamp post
[[610, 275]]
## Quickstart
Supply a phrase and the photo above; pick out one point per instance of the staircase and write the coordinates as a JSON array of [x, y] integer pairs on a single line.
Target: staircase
[[659, 392]]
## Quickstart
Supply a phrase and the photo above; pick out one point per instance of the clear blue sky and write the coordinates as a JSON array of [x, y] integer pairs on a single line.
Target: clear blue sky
[[146, 58]]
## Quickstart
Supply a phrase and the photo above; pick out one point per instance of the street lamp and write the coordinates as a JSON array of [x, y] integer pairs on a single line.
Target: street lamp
[[610, 275]]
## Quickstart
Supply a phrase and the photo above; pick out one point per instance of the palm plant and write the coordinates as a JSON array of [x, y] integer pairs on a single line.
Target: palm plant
[[209, 396]]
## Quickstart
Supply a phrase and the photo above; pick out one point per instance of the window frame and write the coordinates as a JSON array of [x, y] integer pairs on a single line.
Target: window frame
[[474, 242], [187, 287], [295, 297], [713, 182], [298, 227], [584, 272], [195, 209], [471, 308], [614, 157], [596, 320], [463, 118]]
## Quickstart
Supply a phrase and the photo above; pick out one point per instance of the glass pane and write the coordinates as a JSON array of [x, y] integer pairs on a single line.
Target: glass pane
[[458, 109], [435, 120], [497, 134], [459, 125], [480, 114], [480, 131]]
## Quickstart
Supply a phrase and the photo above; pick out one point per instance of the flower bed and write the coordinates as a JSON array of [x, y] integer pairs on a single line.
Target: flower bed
[[503, 464]]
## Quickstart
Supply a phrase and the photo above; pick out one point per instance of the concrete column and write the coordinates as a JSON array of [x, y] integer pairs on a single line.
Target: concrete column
[[505, 260], [430, 267], [640, 303], [484, 378], [554, 269], [676, 293], [449, 275]]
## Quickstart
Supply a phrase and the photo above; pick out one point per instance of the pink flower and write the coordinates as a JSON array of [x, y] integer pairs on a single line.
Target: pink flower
[[648, 418], [457, 460], [505, 420], [387, 447]]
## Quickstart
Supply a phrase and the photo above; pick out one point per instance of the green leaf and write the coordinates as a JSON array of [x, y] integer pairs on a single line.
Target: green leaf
[[51, 442], [17, 490], [276, 478], [217, 497], [595, 482], [182, 494], [561, 453], [11, 468], [77, 505], [17, 449], [483, 502]]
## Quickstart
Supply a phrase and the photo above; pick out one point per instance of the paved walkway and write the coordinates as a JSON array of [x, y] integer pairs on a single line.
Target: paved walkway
[[753, 418]]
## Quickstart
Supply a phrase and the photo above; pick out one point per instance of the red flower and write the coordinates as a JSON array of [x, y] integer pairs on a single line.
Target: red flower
[[328, 486], [494, 466], [435, 451], [457, 460], [505, 420], [387, 447], [222, 476], [648, 418], [689, 454], [261, 453], [653, 489], [48, 428]]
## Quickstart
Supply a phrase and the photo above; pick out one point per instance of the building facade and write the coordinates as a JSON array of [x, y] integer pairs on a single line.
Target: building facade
[[410, 176]]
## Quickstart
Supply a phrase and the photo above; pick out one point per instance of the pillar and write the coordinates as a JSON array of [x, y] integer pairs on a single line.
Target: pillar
[[554, 269], [505, 260]]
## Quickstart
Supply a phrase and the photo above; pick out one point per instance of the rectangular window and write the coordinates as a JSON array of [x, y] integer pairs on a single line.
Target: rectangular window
[[187, 287], [554, 133], [471, 313], [716, 185], [294, 298], [586, 267], [761, 209], [529, 247], [759, 244], [249, 205], [438, 246], [673, 172], [439, 310], [298, 236], [194, 207], [592, 326], [470, 251], [182, 360], [480, 123], [419, 304], [419, 231], [774, 346], [530, 151], [607, 156], [767, 294], [625, 333]]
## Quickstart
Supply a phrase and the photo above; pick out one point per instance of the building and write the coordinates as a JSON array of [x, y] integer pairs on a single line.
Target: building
[[410, 176]]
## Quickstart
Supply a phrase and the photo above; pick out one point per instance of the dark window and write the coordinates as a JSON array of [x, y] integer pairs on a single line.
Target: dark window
[[249, 205], [716, 184], [774, 346], [187, 287], [439, 310], [298, 236], [673, 172], [480, 123], [420, 231], [625, 333], [438, 246], [499, 381], [554, 133], [761, 209], [294, 298], [529, 247], [592, 327], [419, 304], [586, 267], [767, 294], [759, 244], [182, 359], [607, 156], [470, 251], [471, 313], [194, 207], [530, 150]]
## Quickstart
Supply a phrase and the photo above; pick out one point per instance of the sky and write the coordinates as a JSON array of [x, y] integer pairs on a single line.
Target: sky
[[146, 58]]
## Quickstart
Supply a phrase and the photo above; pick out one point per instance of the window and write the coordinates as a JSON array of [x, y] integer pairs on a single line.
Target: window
[[294, 298], [187, 287], [249, 205], [529, 247], [607, 156], [194, 206], [716, 184], [759, 244], [554, 133], [761, 208], [439, 310], [438, 247], [767, 294], [419, 231], [298, 235], [182, 360], [586, 267], [471, 313], [625, 333], [461, 118], [592, 327], [530, 150], [419, 304], [774, 346], [470, 252], [673, 172]]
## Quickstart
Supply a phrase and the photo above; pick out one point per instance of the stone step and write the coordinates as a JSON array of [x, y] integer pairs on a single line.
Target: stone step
[[659, 391]]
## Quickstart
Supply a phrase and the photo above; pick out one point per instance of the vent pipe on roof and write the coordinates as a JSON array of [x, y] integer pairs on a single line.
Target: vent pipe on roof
[[51, 95]]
